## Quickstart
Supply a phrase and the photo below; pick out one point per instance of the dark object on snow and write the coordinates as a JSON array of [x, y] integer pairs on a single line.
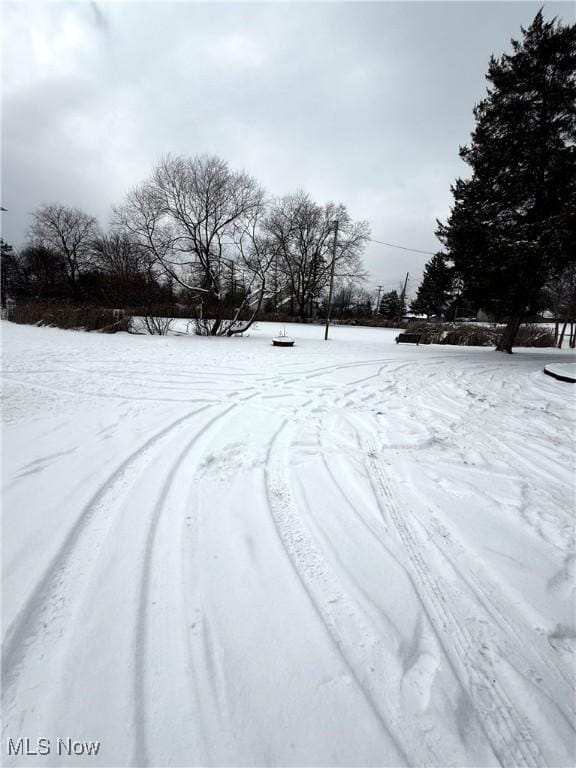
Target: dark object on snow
[[408, 338], [560, 376], [283, 340]]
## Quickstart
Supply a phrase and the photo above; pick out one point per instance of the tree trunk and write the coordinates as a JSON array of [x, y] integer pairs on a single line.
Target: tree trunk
[[509, 334], [562, 332], [218, 313], [246, 326]]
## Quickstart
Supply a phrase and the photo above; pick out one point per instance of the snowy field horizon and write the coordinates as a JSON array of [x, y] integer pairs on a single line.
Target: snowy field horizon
[[345, 553]]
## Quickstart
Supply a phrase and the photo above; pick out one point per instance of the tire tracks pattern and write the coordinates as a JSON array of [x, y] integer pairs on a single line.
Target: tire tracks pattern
[[360, 649], [506, 729], [41, 624], [141, 641]]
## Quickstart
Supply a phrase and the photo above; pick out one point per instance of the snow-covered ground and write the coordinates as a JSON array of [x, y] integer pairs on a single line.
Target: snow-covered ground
[[220, 552]]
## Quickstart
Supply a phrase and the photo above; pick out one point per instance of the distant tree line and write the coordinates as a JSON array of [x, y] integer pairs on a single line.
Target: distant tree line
[[200, 235], [205, 237], [510, 239]]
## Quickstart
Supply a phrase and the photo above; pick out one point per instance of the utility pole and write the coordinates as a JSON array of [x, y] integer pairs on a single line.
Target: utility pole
[[331, 280], [403, 294], [378, 300]]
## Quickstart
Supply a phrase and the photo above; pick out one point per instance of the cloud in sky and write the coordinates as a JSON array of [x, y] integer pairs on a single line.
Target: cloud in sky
[[361, 103]]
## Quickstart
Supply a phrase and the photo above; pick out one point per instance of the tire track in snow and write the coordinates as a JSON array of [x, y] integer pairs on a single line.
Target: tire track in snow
[[394, 364], [142, 640], [514, 647], [42, 622], [508, 733], [109, 395], [480, 584], [347, 630], [519, 444], [382, 539]]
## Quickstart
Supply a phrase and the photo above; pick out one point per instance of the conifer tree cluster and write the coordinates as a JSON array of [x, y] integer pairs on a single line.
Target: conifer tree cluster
[[513, 222], [436, 289], [391, 305]]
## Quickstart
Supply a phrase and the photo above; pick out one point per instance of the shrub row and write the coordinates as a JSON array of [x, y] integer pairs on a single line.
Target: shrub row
[[478, 335], [69, 316], [90, 318], [374, 322]]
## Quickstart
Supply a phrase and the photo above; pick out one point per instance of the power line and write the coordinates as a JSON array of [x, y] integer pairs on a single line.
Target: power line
[[402, 247]]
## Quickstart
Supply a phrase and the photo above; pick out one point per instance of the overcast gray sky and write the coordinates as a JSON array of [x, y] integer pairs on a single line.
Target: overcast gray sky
[[360, 103]]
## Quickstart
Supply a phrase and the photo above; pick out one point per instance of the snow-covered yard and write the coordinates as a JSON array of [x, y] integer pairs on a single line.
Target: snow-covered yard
[[219, 552]]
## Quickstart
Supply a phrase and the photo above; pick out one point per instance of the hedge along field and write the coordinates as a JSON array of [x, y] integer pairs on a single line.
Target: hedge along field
[[471, 335]]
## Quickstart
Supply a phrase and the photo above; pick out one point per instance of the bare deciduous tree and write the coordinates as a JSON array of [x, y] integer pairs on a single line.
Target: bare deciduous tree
[[69, 232], [302, 232], [190, 216], [256, 254], [44, 271], [120, 256], [126, 269]]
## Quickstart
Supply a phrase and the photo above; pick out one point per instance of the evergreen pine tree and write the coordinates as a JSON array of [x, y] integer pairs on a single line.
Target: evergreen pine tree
[[390, 305], [435, 290], [514, 221]]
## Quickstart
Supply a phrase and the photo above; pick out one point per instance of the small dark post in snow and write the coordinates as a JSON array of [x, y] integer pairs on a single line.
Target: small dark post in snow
[[331, 280]]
